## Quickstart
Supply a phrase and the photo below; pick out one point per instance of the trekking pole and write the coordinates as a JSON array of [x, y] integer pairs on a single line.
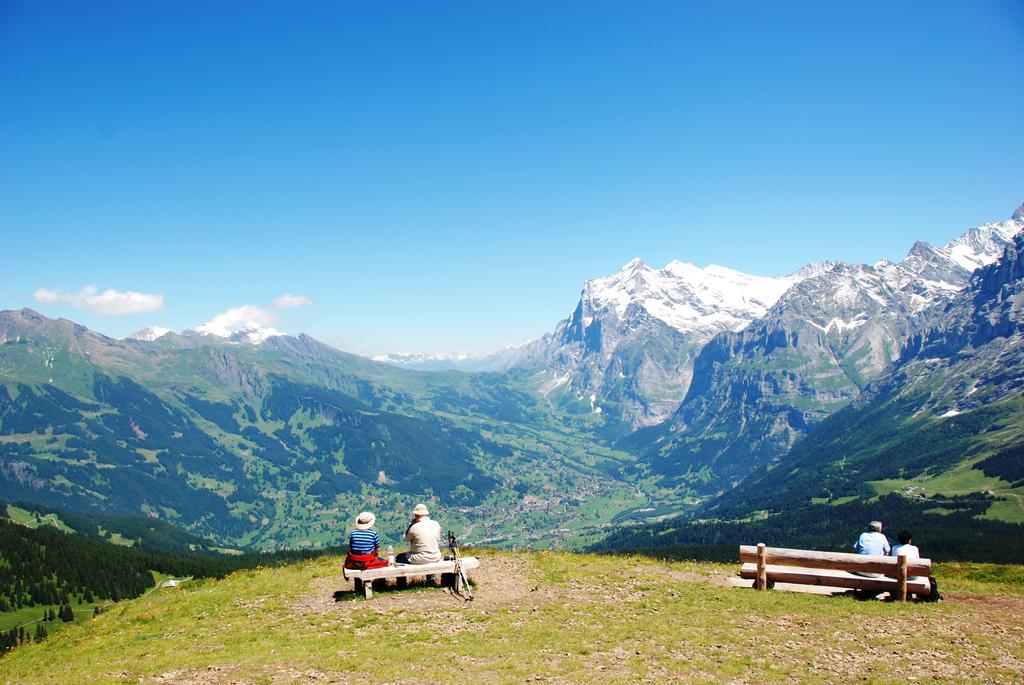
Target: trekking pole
[[453, 545]]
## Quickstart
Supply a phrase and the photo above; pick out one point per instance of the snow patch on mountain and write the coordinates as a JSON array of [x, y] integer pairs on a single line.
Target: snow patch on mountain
[[840, 325], [251, 333], [150, 334]]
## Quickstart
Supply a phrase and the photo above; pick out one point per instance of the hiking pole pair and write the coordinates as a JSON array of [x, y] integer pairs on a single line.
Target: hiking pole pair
[[467, 593]]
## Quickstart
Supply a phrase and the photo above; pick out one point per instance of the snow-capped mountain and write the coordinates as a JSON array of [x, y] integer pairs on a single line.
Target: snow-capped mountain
[[967, 363], [684, 296], [450, 361], [983, 245], [932, 273], [755, 391], [250, 332], [629, 345], [150, 334]]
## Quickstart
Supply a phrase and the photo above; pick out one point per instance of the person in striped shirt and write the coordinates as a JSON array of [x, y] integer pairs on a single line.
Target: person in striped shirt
[[364, 544]]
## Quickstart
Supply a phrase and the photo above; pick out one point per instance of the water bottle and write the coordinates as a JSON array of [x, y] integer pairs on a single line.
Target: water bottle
[[391, 555]]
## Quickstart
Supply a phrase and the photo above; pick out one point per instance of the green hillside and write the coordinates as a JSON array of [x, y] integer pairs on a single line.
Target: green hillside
[[130, 531], [277, 446], [550, 617]]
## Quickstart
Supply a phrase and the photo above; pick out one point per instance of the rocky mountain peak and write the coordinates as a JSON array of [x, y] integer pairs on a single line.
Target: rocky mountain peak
[[985, 244]]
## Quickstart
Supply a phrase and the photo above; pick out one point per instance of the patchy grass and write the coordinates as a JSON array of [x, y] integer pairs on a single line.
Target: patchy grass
[[554, 617], [981, 579]]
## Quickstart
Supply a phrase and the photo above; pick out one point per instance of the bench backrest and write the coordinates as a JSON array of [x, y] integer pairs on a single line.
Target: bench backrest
[[839, 561]]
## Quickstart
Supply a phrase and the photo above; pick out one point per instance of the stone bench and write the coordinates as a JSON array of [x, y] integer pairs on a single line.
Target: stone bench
[[402, 572], [900, 577]]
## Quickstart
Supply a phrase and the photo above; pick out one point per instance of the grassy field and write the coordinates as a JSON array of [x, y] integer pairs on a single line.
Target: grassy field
[[963, 479], [29, 616], [31, 520], [553, 617], [84, 611]]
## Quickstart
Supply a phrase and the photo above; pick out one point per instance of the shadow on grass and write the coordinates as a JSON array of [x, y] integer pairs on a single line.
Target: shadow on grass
[[382, 588]]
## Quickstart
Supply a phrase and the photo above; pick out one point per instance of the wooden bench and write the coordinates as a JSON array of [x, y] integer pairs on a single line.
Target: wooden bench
[[402, 572], [768, 565]]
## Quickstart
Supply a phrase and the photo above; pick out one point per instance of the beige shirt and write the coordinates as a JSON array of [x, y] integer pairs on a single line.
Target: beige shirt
[[424, 537]]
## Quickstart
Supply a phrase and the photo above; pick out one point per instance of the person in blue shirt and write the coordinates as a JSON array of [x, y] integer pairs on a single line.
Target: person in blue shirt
[[364, 544], [872, 541]]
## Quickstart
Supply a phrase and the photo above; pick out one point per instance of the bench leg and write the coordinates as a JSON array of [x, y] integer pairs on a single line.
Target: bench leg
[[762, 572], [368, 590], [901, 578], [401, 582], [357, 585]]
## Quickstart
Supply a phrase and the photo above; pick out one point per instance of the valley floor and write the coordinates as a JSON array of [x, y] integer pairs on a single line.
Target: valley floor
[[544, 617]]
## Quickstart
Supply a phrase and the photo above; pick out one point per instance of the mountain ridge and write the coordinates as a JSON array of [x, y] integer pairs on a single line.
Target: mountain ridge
[[633, 339], [754, 392]]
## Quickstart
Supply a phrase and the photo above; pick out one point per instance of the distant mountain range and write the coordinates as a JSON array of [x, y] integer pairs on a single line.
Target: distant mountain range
[[954, 398], [755, 391], [274, 441], [631, 344], [663, 391], [452, 361]]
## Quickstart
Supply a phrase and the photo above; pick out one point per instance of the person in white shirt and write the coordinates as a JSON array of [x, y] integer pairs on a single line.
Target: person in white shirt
[[906, 548], [424, 538]]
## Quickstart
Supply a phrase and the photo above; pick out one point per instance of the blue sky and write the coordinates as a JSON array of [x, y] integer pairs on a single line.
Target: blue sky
[[444, 176]]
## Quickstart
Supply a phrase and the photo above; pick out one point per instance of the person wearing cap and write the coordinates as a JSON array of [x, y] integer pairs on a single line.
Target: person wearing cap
[[424, 538], [364, 544]]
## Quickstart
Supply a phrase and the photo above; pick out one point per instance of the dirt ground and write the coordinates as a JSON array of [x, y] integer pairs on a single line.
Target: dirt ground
[[498, 582]]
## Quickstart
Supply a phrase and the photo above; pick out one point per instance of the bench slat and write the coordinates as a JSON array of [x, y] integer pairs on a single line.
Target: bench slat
[[865, 563], [833, 578], [406, 570]]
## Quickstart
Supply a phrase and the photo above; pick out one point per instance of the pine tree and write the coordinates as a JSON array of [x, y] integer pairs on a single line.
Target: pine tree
[[40, 632]]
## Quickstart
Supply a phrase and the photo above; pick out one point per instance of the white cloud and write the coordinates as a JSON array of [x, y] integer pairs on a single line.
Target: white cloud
[[288, 301], [253, 322], [110, 301], [247, 316]]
